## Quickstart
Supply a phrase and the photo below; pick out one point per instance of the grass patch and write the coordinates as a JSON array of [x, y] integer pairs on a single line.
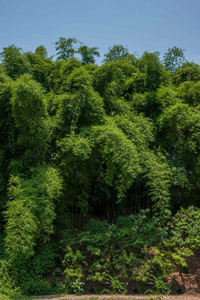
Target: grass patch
[[4, 297]]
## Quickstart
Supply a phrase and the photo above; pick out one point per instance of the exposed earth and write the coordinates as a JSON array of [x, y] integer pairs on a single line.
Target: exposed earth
[[120, 297]]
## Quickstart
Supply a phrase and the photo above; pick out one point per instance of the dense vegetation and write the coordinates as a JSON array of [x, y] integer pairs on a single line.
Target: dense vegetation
[[100, 169]]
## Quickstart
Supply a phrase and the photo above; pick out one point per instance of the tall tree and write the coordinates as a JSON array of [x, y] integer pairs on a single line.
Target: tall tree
[[88, 54], [40, 66], [6, 129], [42, 51], [29, 113], [65, 48], [156, 75], [13, 61], [187, 72], [31, 210], [117, 52], [174, 58]]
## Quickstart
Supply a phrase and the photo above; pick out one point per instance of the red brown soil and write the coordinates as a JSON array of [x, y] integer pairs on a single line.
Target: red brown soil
[[190, 282], [121, 297]]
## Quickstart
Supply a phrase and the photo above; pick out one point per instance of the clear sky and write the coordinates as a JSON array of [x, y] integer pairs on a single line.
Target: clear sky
[[142, 25]]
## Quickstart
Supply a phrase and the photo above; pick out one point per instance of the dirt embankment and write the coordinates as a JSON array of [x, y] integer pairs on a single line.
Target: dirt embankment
[[185, 286], [120, 297]]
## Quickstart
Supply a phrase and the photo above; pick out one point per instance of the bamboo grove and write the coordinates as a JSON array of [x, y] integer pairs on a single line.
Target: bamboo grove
[[81, 141]]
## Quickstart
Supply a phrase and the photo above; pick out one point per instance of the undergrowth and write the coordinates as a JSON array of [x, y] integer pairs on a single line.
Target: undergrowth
[[134, 255]]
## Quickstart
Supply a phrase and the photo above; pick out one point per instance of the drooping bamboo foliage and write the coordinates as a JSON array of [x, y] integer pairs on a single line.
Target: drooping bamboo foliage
[[79, 139]]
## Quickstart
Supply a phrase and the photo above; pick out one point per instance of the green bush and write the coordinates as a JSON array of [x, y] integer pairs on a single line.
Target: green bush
[[105, 257], [7, 282], [36, 286], [106, 254], [134, 249]]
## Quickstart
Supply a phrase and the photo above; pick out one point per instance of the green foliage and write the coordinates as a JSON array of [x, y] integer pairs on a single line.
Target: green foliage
[[40, 66], [64, 48], [110, 79], [159, 179], [115, 286], [117, 142], [68, 67], [14, 62], [174, 58], [167, 96], [117, 52], [42, 51], [189, 92], [178, 124], [21, 224], [25, 275], [135, 84], [73, 272], [88, 54], [134, 248], [29, 111], [118, 153], [76, 167], [187, 72], [7, 283], [156, 75], [170, 255], [82, 106], [36, 287], [185, 227], [6, 128], [31, 211]]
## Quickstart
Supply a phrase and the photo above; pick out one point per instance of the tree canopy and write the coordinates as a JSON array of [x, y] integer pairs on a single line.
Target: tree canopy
[[81, 140]]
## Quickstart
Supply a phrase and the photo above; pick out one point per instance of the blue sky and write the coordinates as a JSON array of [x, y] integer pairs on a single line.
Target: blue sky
[[142, 25]]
